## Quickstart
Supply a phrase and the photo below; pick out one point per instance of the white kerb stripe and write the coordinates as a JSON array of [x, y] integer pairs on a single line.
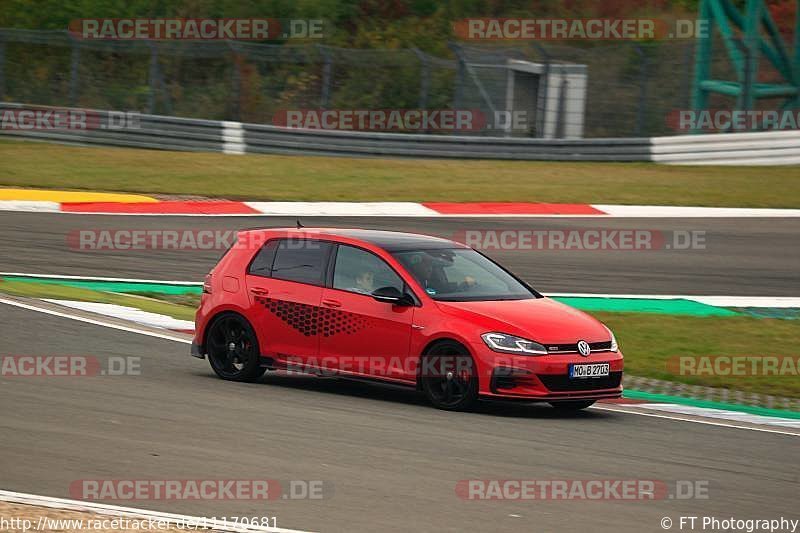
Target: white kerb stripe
[[35, 206], [355, 209]]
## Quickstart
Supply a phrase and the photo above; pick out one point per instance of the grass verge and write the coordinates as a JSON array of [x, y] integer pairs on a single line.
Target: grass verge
[[289, 178], [649, 341], [63, 292]]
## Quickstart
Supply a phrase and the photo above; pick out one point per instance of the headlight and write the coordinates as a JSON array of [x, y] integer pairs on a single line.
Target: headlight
[[500, 342], [614, 347]]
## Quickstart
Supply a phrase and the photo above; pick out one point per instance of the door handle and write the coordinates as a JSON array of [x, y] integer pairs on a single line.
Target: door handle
[[331, 303], [259, 291]]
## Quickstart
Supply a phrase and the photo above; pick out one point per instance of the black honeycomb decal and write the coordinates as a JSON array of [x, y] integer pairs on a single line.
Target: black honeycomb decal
[[311, 320]]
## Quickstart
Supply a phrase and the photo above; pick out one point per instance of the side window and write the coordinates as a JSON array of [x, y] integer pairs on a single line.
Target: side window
[[357, 270], [262, 263], [300, 260]]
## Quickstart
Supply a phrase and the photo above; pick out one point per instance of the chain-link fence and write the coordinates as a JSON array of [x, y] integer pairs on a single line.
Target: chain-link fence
[[603, 90]]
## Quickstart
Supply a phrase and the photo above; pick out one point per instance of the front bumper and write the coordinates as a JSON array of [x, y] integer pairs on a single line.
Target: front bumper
[[546, 378]]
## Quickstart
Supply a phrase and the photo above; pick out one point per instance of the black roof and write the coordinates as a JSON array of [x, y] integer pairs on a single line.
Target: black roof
[[396, 241]]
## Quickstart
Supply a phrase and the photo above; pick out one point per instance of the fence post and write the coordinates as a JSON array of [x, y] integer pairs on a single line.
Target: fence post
[[561, 116], [151, 98], [542, 94], [2, 68], [74, 81], [640, 113], [325, 92], [235, 107], [425, 77], [458, 95], [687, 80]]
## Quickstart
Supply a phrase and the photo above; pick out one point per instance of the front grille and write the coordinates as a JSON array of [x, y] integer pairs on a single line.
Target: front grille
[[561, 382], [573, 348]]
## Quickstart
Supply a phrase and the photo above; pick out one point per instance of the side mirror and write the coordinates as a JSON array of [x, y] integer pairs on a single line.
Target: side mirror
[[391, 295]]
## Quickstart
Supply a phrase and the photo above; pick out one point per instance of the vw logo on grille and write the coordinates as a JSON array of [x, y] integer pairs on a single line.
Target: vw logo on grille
[[584, 349]]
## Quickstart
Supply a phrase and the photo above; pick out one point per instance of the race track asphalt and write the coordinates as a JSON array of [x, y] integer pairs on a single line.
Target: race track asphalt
[[748, 256], [389, 462]]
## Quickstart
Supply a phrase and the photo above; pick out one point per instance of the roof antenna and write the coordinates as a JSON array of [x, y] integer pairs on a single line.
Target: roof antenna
[[299, 225]]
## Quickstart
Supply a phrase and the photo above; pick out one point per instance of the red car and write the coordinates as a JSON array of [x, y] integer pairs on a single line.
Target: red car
[[402, 308]]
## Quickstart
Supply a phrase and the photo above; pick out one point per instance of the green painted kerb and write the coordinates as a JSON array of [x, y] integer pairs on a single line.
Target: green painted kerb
[[750, 409], [114, 286], [643, 305]]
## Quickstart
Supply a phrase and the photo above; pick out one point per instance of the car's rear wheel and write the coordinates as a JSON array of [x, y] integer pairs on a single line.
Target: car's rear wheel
[[572, 406], [233, 348], [448, 377]]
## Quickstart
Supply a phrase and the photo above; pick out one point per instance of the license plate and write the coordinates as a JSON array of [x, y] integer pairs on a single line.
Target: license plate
[[596, 370]]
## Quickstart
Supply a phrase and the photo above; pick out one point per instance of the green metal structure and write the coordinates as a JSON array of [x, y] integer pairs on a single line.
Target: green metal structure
[[748, 37]]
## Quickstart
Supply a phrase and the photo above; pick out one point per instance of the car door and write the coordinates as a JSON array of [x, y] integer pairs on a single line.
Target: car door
[[359, 334], [284, 282]]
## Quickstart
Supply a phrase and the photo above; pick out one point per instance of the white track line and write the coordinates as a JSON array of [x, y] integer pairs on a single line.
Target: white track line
[[131, 512], [186, 341], [103, 323], [726, 414], [128, 313], [693, 420]]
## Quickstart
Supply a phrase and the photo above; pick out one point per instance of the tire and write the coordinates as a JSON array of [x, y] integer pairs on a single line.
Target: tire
[[572, 406], [449, 378], [232, 348]]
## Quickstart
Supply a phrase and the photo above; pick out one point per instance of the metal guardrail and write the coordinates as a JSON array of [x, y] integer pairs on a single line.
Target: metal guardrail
[[762, 148], [171, 133], [150, 131]]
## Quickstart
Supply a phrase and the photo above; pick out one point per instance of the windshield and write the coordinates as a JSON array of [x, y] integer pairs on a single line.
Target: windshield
[[461, 275]]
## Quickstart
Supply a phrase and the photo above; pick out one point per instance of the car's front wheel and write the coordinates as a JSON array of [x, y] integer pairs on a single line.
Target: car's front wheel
[[233, 348], [572, 406], [449, 378]]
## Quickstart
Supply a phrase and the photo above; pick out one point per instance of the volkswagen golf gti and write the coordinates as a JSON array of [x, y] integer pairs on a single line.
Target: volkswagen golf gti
[[402, 308]]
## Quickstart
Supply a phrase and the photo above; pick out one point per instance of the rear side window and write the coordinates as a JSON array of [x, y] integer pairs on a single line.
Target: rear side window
[[262, 262], [301, 260]]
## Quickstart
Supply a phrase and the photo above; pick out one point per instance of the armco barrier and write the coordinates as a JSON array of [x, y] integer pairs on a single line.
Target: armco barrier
[[151, 131], [762, 148], [171, 133]]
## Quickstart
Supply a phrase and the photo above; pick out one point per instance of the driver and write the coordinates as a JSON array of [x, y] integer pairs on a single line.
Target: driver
[[365, 282], [430, 278]]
